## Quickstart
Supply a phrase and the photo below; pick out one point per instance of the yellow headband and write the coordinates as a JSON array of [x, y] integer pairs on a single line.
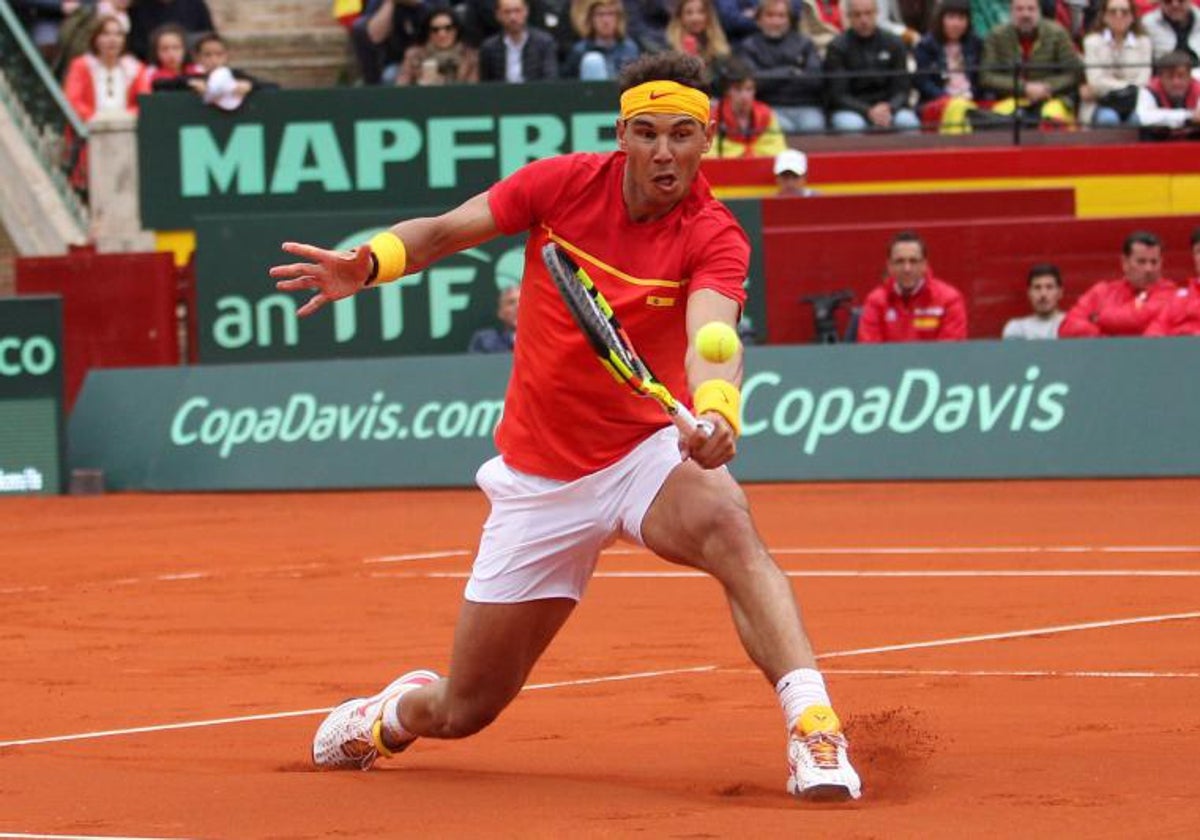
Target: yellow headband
[[664, 97]]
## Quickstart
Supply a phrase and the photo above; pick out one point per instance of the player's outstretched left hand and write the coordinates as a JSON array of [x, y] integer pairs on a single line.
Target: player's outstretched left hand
[[711, 449], [333, 274]]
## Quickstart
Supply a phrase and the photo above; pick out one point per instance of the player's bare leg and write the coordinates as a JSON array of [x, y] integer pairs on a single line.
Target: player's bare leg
[[701, 519], [495, 648]]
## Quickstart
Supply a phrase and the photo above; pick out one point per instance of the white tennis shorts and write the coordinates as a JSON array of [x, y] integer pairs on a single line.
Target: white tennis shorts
[[543, 537]]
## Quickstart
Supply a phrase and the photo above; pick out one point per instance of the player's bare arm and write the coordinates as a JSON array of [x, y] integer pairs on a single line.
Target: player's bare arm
[[719, 447], [339, 274]]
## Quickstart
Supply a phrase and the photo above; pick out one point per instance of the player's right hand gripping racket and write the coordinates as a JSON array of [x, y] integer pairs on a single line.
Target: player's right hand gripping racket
[[613, 347]]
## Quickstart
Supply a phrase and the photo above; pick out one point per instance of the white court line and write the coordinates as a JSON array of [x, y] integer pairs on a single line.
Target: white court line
[[422, 555], [860, 573], [945, 672], [80, 837], [1015, 634]]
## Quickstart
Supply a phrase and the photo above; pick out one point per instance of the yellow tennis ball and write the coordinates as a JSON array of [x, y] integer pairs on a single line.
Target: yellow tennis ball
[[716, 341]]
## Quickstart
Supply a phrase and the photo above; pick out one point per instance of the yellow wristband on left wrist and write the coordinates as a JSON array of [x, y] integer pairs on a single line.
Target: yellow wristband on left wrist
[[391, 258], [722, 397]]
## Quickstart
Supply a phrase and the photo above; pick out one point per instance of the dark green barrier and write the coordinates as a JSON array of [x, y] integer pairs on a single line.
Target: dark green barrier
[[31, 387], [243, 318], [343, 150], [971, 410]]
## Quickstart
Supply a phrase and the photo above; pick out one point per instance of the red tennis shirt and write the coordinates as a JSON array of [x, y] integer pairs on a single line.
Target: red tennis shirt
[[564, 414]]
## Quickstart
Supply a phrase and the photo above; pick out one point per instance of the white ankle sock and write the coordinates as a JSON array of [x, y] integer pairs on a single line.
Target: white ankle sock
[[798, 690], [394, 733]]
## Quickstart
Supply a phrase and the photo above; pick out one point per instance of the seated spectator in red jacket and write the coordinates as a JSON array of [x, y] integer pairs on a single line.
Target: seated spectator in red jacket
[[1127, 306], [103, 78], [911, 304], [1182, 315], [1168, 108], [1045, 289]]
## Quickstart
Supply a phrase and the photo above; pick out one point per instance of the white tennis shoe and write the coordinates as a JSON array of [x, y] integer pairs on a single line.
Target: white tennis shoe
[[351, 736], [820, 768]]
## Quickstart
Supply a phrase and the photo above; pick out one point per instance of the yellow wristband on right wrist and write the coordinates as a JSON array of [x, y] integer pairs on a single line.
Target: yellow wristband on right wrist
[[722, 397], [390, 255]]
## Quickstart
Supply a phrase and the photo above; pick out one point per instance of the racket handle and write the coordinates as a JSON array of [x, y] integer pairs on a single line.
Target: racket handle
[[687, 422]]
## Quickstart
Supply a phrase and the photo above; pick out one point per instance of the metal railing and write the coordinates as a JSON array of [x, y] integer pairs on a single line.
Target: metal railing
[[35, 103]]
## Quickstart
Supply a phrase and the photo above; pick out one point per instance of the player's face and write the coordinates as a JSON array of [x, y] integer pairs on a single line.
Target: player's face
[[664, 152], [1044, 294], [906, 264], [1143, 266]]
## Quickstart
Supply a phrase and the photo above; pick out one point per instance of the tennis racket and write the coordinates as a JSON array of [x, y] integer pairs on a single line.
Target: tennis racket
[[609, 340]]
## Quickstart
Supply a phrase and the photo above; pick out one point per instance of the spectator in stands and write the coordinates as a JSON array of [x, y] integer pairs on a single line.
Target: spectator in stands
[[43, 20], [1032, 64], [147, 15], [381, 36], [891, 20], [911, 304], [876, 96], [441, 58], [737, 18], [1127, 306], [169, 66], [103, 79], [948, 68], [604, 48], [1182, 315], [76, 29], [503, 338], [1117, 57], [519, 52], [1045, 290], [647, 23], [745, 126], [1169, 106], [791, 174], [821, 21], [1175, 27], [220, 84], [695, 30], [787, 68]]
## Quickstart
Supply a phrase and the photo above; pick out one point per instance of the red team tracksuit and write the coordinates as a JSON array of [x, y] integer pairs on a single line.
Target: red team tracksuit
[[1117, 307], [934, 311], [1182, 315]]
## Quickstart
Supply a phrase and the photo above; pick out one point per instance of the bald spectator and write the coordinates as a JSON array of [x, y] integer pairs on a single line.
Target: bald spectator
[[1124, 307], [518, 52], [1182, 315], [869, 84], [1032, 66], [502, 338], [911, 304], [1045, 290]]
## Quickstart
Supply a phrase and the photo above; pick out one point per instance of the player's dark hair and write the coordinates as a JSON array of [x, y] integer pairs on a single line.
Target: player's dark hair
[[906, 236], [1140, 237], [687, 70], [1044, 270]]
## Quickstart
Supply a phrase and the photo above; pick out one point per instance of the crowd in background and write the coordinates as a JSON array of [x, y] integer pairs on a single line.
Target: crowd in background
[[778, 67]]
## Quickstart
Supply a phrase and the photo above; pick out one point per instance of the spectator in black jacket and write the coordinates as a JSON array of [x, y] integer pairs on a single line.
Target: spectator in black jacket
[[519, 52], [869, 83], [948, 60], [787, 68]]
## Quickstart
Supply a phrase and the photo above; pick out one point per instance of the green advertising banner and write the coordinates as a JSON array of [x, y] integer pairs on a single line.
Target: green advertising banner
[[242, 317], [31, 388], [349, 149], [965, 410]]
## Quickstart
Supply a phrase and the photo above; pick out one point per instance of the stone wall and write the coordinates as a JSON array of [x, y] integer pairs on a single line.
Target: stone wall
[[295, 43]]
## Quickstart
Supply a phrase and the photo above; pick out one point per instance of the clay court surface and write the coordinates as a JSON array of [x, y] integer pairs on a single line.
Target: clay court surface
[[1013, 659]]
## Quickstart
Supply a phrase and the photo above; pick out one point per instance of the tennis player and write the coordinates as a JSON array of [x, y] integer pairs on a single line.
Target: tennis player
[[587, 462]]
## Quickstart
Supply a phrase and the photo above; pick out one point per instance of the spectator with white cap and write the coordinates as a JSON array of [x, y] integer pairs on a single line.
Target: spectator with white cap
[[791, 174]]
